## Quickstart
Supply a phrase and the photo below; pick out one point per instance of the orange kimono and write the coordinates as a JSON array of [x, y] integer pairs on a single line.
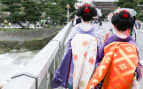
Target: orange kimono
[[117, 68]]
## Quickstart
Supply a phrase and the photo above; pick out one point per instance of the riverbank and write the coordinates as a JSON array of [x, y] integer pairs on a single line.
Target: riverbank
[[26, 39]]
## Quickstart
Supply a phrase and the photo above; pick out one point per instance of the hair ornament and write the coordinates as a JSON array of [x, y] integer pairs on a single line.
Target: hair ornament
[[86, 10], [117, 13], [125, 15], [125, 11], [86, 5]]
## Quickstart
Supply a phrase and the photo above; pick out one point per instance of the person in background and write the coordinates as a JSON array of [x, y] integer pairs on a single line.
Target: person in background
[[138, 24], [78, 20], [118, 57]]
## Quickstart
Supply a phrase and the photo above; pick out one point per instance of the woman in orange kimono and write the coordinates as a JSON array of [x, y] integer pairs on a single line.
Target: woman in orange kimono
[[120, 60]]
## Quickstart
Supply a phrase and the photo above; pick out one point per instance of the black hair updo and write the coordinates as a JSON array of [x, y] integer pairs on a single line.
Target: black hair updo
[[122, 20], [87, 12]]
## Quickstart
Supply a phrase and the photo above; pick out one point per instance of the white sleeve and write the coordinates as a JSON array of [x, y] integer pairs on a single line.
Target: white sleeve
[[72, 33]]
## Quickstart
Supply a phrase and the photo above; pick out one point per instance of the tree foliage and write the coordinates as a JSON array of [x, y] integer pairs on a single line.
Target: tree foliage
[[14, 7], [31, 10], [56, 9], [140, 1], [132, 4], [21, 11], [127, 3]]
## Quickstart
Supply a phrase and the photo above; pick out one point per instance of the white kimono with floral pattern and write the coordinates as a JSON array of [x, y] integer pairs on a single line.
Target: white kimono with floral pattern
[[84, 49]]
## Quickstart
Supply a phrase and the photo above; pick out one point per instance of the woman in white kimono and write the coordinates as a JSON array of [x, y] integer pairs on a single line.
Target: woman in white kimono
[[84, 44], [79, 61]]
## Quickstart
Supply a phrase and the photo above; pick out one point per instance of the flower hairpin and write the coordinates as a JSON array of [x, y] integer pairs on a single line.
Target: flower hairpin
[[125, 15], [86, 10]]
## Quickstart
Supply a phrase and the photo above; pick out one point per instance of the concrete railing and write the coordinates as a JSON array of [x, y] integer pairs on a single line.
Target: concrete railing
[[139, 40], [38, 73]]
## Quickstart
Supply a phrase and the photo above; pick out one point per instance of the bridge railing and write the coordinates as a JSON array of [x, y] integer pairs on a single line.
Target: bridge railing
[[38, 73], [139, 40]]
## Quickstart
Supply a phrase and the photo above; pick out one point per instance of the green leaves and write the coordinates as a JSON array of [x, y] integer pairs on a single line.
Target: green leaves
[[22, 10], [31, 10], [127, 3], [56, 9], [132, 4], [140, 1]]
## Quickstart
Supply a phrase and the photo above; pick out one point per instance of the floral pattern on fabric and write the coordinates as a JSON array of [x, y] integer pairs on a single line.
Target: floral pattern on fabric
[[85, 47]]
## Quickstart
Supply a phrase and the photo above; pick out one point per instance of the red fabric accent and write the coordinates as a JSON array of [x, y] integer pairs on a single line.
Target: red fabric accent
[[86, 5], [84, 43], [125, 10], [87, 10], [117, 13], [75, 57], [85, 54], [91, 60], [125, 15]]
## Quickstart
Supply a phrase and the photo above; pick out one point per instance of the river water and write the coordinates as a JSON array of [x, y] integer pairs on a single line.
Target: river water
[[12, 63]]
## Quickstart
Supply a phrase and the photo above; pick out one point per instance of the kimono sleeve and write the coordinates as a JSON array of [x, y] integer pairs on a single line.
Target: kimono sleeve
[[101, 71], [61, 76]]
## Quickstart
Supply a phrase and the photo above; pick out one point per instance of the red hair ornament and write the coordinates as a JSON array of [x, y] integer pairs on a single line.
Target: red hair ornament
[[125, 15], [117, 13], [86, 5], [86, 10], [125, 10]]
